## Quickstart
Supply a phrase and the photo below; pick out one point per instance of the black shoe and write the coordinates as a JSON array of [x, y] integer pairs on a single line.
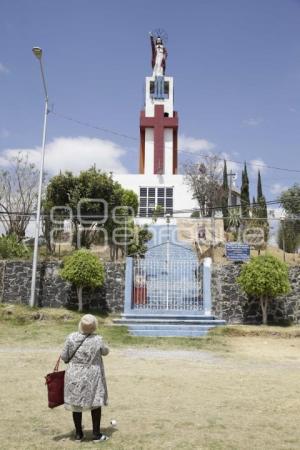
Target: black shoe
[[79, 437], [100, 438]]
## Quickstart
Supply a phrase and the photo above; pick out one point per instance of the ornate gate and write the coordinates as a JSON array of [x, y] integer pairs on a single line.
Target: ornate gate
[[171, 284]]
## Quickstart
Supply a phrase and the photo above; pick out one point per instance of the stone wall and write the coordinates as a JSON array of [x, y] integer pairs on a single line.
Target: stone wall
[[232, 305], [53, 291], [229, 302]]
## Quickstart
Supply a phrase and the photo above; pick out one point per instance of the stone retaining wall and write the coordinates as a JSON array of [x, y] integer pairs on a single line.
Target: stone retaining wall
[[228, 301], [53, 291], [232, 305]]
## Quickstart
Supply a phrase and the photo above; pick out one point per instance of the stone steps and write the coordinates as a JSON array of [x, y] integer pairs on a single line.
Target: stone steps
[[160, 325], [169, 333]]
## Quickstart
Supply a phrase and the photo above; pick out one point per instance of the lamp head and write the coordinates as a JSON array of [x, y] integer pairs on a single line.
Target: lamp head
[[37, 51]]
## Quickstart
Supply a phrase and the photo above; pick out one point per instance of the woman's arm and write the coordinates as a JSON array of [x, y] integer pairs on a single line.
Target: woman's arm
[[65, 354], [104, 348]]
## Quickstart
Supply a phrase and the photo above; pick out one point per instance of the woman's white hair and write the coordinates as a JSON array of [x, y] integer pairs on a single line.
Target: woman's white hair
[[88, 324]]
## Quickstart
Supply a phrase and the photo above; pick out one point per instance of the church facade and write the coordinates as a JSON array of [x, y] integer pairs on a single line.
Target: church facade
[[158, 183]]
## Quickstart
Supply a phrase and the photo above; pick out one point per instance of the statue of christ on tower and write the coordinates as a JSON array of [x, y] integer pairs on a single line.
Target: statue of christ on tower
[[159, 56]]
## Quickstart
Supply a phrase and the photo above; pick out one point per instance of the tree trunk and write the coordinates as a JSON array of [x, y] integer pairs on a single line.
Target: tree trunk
[[264, 307], [79, 296]]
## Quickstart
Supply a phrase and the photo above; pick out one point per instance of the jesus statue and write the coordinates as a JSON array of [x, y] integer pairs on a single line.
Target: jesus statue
[[159, 56]]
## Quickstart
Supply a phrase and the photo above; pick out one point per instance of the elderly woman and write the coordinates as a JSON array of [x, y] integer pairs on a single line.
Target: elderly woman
[[85, 384]]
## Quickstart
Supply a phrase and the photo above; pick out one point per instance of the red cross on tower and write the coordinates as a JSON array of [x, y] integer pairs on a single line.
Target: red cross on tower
[[159, 123]]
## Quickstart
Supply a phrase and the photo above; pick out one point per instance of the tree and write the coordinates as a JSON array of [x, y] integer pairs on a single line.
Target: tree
[[225, 197], [82, 194], [288, 238], [84, 270], [130, 199], [205, 181], [234, 221], [18, 195], [290, 200], [289, 231], [245, 198], [264, 277], [259, 211], [138, 246], [253, 207], [157, 212]]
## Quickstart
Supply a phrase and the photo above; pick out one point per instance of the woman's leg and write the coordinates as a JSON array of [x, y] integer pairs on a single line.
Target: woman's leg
[[77, 419], [96, 419]]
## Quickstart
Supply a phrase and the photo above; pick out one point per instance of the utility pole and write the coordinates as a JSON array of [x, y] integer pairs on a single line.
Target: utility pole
[[37, 51]]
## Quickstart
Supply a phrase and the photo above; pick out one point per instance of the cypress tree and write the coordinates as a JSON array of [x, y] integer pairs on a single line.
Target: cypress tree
[[225, 196], [245, 198], [254, 207], [262, 205], [259, 186], [261, 209]]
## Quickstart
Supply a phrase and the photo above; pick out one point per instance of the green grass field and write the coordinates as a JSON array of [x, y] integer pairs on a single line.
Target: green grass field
[[236, 389]]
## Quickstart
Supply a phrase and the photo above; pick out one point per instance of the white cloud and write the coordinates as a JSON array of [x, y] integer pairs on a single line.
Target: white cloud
[[278, 188], [256, 165], [3, 68], [74, 154], [194, 145], [252, 121]]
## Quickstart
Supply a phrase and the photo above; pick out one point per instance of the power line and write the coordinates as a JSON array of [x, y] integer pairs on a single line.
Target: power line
[[76, 216], [88, 125], [126, 136], [242, 163]]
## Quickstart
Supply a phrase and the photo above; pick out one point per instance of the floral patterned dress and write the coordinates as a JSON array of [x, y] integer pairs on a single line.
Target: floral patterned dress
[[85, 383]]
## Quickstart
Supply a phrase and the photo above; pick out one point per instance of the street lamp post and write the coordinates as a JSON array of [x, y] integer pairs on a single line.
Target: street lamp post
[[37, 51]]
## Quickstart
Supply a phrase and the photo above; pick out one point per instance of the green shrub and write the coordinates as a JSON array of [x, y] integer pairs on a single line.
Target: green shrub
[[84, 270], [264, 277], [10, 247]]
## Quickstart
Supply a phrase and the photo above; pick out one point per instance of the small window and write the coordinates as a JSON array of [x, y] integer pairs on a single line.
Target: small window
[[169, 192], [160, 192], [152, 87], [143, 192], [166, 114], [151, 192]]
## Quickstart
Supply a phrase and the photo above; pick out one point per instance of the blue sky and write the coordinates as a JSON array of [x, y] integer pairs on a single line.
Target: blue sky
[[236, 65]]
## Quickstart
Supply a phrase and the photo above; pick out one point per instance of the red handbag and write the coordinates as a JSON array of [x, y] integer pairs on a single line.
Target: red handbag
[[55, 384]]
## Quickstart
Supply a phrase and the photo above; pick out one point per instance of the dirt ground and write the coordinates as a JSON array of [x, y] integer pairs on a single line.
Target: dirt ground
[[245, 397]]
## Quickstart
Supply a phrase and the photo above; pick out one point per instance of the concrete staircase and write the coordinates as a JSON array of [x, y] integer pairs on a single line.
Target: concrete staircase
[[168, 325]]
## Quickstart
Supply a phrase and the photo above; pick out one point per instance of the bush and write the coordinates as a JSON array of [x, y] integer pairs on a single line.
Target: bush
[[84, 270], [10, 247], [264, 277]]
